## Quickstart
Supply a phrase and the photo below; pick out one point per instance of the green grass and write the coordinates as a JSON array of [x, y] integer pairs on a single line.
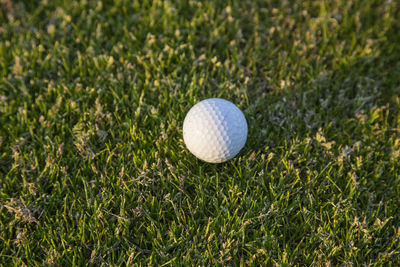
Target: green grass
[[93, 167]]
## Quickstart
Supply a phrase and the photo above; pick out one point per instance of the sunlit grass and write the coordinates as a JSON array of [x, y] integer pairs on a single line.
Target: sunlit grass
[[93, 166]]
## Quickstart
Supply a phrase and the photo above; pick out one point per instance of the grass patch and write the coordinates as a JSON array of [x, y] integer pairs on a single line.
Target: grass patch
[[93, 166]]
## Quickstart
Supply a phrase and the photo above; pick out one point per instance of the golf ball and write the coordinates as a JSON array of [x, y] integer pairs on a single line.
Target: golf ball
[[215, 130]]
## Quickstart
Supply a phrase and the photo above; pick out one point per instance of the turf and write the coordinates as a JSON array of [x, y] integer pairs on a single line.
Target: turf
[[93, 167]]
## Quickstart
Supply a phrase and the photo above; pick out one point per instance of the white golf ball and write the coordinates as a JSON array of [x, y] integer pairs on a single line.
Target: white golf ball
[[215, 130]]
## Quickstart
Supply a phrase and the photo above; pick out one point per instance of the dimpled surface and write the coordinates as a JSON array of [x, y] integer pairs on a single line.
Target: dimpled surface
[[215, 130]]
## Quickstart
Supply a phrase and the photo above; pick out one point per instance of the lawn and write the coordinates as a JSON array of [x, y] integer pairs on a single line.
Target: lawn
[[93, 168]]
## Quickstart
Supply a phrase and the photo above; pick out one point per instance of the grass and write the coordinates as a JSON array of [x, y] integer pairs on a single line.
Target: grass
[[93, 167]]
